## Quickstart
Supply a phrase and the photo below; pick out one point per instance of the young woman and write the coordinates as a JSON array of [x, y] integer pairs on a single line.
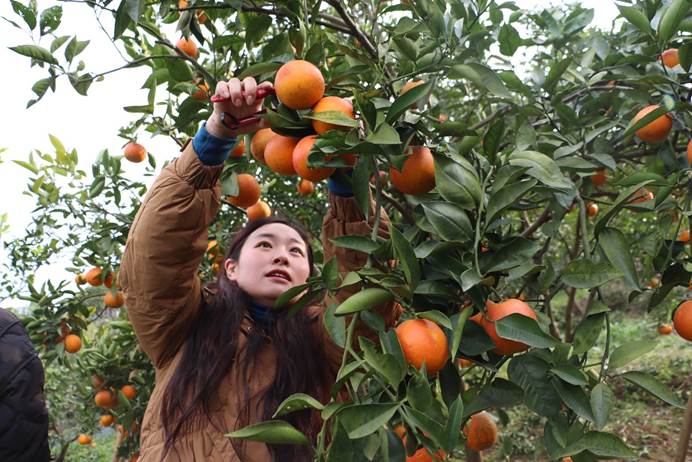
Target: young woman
[[224, 357]]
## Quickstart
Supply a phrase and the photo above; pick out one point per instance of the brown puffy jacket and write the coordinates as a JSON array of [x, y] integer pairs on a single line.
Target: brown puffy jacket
[[165, 246]]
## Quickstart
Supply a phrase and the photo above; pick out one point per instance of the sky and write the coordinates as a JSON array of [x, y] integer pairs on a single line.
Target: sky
[[89, 124]]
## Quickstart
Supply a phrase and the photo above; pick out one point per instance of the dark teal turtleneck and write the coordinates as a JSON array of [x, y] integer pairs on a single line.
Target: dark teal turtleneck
[[264, 316]]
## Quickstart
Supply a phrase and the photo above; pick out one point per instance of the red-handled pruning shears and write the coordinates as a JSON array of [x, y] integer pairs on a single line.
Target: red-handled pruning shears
[[231, 122]]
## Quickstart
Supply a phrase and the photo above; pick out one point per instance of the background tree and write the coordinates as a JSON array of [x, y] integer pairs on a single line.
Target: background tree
[[507, 176]]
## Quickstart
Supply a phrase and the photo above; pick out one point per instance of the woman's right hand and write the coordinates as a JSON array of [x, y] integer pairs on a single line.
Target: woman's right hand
[[241, 102]]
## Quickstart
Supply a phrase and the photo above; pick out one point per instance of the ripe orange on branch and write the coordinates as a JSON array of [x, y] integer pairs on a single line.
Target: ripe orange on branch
[[423, 341], [417, 175], [239, 149], [299, 84], [106, 420], [300, 161], [260, 210], [592, 209], [670, 57], [135, 152], [684, 235], [278, 154], [84, 439], [331, 104], [248, 191], [105, 399], [600, 178], [480, 431], [665, 329], [642, 195], [188, 47], [114, 300], [72, 343], [305, 187], [657, 129], [682, 320], [259, 142], [129, 391], [496, 311]]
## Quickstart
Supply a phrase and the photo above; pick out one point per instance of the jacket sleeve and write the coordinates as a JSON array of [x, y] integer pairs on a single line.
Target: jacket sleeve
[[165, 246], [344, 218]]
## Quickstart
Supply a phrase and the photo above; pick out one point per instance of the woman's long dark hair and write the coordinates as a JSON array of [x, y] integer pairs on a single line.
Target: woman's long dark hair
[[211, 351]]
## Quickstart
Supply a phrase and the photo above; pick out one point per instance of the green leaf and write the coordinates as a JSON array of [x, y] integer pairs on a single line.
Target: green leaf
[[272, 432], [297, 402], [457, 181], [514, 253], [28, 14], [499, 393], [360, 420], [74, 48], [407, 257], [555, 73], [587, 332], [36, 52], [600, 444], [50, 19], [615, 246], [179, 70], [360, 243], [41, 86], [524, 329], [509, 39], [543, 168], [333, 117], [583, 273], [384, 134], [449, 221], [570, 374], [256, 27], [453, 429], [363, 300], [405, 101], [259, 69], [122, 20], [418, 393], [575, 398], [670, 21], [135, 8], [493, 138], [335, 326], [628, 352], [531, 374], [653, 386], [385, 364], [685, 55], [619, 202], [506, 197], [482, 77], [436, 316], [229, 185], [636, 18], [289, 294], [602, 400], [58, 42]]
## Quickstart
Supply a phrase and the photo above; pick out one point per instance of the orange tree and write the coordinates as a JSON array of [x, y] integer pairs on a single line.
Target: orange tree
[[486, 131]]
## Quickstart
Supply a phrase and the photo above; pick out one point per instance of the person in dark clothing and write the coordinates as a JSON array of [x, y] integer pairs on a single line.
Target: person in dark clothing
[[23, 414]]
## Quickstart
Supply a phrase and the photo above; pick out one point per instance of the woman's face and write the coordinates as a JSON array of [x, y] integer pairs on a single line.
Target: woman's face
[[273, 259]]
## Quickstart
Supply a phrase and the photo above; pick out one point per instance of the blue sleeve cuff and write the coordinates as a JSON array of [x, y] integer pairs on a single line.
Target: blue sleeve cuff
[[210, 149], [340, 188]]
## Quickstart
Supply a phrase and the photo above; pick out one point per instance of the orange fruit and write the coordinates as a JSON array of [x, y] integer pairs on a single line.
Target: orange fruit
[[182, 4], [259, 142], [80, 279], [417, 175], [567, 459], [305, 187], [599, 179], [592, 209], [188, 47], [201, 17], [203, 93], [689, 152], [656, 130], [129, 391], [463, 362], [423, 341], [422, 454], [480, 431], [248, 191], [84, 439], [259, 210], [108, 282], [278, 154], [411, 84], [300, 161], [104, 398], [684, 235], [331, 103], [239, 149], [135, 152], [299, 84], [682, 320], [114, 300], [135, 457], [97, 381], [642, 195], [93, 277], [495, 312], [72, 343], [443, 118], [665, 329], [670, 57], [106, 420]]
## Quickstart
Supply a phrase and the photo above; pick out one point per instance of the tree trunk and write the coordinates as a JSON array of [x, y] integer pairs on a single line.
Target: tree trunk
[[684, 443]]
